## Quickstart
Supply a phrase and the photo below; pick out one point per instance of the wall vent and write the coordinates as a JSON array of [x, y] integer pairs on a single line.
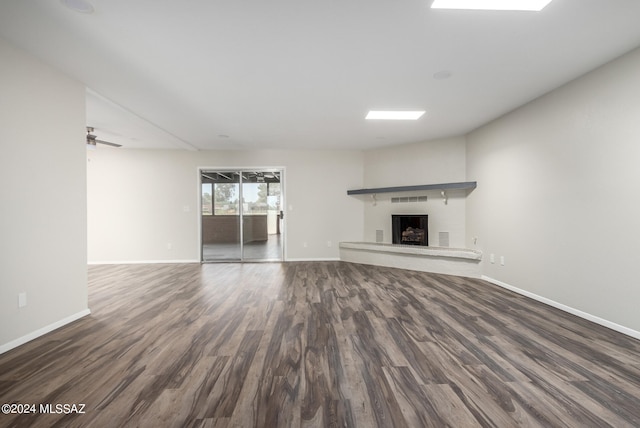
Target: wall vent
[[405, 199], [379, 236]]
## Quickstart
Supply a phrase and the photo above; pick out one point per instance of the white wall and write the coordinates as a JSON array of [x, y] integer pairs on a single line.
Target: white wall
[[42, 176], [432, 162], [558, 185], [137, 200]]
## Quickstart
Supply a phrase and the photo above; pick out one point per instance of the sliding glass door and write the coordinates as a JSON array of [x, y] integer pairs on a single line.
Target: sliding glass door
[[241, 215]]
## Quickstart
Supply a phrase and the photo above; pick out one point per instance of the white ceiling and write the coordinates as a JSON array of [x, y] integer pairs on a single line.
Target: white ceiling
[[209, 74]]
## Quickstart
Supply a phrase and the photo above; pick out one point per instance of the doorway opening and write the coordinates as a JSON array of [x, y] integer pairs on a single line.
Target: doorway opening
[[242, 215]]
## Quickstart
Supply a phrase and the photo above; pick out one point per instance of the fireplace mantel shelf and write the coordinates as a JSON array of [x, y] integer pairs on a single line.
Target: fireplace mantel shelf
[[441, 186]]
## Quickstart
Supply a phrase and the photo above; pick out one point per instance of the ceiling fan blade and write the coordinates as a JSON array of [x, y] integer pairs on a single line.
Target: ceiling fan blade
[[107, 143]]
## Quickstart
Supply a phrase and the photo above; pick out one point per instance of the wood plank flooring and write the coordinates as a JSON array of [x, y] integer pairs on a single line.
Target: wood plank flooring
[[320, 344]]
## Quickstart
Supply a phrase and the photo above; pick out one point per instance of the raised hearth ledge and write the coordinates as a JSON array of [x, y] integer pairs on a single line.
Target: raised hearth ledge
[[450, 261], [460, 253]]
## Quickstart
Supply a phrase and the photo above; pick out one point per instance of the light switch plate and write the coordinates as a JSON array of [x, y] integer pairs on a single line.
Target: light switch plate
[[22, 300]]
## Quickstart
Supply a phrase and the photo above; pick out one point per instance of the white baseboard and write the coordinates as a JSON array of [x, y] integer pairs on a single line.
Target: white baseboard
[[42, 331], [603, 322], [141, 262]]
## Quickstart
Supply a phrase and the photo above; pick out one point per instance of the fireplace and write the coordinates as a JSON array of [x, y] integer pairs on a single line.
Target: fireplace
[[410, 229]]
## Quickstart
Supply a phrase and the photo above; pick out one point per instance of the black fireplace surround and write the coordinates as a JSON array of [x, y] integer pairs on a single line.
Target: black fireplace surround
[[410, 229]]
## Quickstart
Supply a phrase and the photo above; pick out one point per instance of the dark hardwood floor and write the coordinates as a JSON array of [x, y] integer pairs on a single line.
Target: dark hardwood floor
[[319, 344]]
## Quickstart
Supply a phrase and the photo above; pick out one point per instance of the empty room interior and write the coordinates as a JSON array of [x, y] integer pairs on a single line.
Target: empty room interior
[[311, 214]]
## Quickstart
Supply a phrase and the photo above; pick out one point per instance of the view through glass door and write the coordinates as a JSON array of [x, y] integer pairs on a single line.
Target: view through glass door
[[241, 215]]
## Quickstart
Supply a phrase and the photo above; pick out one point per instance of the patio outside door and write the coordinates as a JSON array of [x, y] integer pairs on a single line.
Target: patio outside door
[[241, 217]]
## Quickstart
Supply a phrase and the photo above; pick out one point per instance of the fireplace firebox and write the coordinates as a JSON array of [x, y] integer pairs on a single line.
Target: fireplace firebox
[[410, 229]]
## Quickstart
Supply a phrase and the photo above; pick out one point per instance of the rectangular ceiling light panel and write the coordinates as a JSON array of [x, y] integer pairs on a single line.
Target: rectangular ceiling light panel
[[394, 115], [527, 5]]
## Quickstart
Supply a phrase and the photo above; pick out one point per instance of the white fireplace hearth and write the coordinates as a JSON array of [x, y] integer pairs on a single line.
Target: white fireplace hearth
[[450, 261]]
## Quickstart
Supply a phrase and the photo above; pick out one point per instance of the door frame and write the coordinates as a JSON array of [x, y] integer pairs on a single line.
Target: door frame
[[283, 190]]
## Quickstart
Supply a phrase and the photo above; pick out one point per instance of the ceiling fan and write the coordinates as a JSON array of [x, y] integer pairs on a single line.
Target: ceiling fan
[[92, 140]]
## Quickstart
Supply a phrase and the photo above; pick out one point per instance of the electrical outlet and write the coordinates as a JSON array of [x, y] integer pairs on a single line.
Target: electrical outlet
[[169, 246], [492, 258], [304, 245], [22, 300], [502, 260], [329, 244]]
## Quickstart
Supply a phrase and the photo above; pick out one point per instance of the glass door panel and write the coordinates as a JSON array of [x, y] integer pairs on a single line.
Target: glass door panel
[[221, 233], [262, 232]]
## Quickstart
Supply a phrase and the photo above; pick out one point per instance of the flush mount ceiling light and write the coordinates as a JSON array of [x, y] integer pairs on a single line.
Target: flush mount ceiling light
[[394, 115], [81, 6], [527, 5]]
